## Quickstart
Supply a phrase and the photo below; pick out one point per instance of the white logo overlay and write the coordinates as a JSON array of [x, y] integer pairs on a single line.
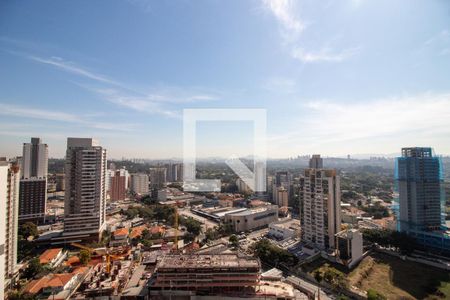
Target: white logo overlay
[[255, 180]]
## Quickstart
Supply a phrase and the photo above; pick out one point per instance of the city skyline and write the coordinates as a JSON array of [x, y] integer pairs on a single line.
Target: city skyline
[[333, 76]]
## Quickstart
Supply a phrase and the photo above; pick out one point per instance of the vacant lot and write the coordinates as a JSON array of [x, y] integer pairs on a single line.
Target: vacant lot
[[395, 278]]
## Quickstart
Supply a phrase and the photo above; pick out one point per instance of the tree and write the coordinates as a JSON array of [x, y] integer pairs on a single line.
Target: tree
[[211, 234], [84, 256], [17, 295], [34, 267], [273, 255], [234, 241], [374, 295], [28, 229], [192, 225], [318, 276]]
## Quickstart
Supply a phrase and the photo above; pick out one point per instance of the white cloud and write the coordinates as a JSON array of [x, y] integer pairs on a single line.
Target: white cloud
[[284, 12], [51, 115], [287, 14], [380, 125], [324, 55]]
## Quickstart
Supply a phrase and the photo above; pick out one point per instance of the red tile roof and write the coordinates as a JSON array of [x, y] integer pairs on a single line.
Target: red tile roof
[[121, 231], [49, 255]]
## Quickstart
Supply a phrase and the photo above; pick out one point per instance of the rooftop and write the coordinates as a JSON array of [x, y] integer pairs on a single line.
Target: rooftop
[[207, 261], [49, 255]]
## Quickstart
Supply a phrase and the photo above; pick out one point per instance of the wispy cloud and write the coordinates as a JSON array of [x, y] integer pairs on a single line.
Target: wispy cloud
[[287, 13], [284, 12], [324, 55], [52, 115], [155, 101], [416, 119], [71, 67]]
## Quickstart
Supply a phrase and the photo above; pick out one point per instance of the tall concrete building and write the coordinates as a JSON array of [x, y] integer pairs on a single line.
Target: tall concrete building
[[282, 179], [139, 183], [421, 198], [4, 169], [9, 206], [320, 207], [316, 162], [158, 177], [118, 184], [421, 190], [173, 172], [282, 196], [33, 184], [85, 194]]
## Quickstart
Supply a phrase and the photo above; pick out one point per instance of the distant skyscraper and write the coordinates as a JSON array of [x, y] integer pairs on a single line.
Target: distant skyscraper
[[33, 184], [320, 207], [139, 184], [172, 172], [282, 179], [316, 162], [158, 177], [85, 194], [9, 206], [420, 184], [282, 197], [118, 184]]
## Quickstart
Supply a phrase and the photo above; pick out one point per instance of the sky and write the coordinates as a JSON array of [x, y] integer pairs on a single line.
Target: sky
[[335, 77]]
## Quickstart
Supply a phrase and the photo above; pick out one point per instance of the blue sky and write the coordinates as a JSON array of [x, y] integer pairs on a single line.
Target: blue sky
[[336, 77]]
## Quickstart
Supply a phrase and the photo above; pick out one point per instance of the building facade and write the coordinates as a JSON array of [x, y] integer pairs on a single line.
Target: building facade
[[420, 207], [158, 177], [420, 186], [139, 184], [349, 246], [33, 184], [118, 184], [320, 212], [9, 214], [252, 218], [85, 194]]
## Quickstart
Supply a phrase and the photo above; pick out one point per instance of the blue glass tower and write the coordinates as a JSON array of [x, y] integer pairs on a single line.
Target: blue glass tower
[[421, 197]]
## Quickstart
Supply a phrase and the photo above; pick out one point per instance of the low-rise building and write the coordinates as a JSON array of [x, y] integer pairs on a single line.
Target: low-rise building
[[56, 286], [120, 237], [285, 229], [252, 218], [349, 250], [53, 257]]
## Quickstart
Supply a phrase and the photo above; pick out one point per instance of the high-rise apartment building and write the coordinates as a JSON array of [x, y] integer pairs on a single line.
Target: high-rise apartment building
[[420, 186], [139, 183], [420, 207], [282, 196], [118, 184], [33, 184], [282, 179], [158, 177], [85, 194], [320, 211], [172, 172], [9, 206]]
